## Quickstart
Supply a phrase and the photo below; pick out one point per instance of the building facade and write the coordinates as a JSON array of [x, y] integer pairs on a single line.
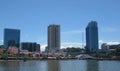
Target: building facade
[[108, 48], [38, 48], [11, 38], [53, 38], [92, 37], [105, 48], [30, 46]]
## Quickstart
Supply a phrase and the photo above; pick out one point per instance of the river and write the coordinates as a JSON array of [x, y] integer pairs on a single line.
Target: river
[[60, 65]]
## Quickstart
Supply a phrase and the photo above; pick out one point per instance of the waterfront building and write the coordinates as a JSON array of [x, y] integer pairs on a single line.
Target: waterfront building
[[107, 48], [92, 37], [24, 46], [30, 46], [46, 49], [38, 48], [53, 38], [13, 50], [11, 38]]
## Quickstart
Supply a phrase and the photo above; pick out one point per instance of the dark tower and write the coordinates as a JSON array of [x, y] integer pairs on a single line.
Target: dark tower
[[11, 37], [92, 37]]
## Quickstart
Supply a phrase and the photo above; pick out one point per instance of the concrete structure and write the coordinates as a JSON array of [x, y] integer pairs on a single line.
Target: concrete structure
[[107, 48], [84, 56], [92, 37], [53, 38], [46, 49], [11, 38]]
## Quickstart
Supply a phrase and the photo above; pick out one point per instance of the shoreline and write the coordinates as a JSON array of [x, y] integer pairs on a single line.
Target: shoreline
[[29, 59]]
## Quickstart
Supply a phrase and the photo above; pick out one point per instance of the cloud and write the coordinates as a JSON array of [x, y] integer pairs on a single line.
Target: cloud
[[78, 44], [65, 45], [109, 42], [43, 47], [113, 43], [73, 32], [72, 44]]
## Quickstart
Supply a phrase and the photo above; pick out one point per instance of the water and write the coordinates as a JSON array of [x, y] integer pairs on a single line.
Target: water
[[60, 65]]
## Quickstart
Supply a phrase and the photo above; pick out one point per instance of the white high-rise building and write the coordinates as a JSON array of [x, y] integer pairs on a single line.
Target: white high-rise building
[[53, 38]]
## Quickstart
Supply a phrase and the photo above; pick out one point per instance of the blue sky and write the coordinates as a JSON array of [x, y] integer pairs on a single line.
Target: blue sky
[[32, 17]]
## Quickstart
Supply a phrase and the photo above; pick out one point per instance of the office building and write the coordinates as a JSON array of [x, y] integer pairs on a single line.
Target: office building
[[53, 38], [30, 46], [11, 38], [38, 48], [92, 37]]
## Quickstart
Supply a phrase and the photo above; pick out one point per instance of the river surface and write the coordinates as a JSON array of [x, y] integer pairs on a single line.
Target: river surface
[[60, 65]]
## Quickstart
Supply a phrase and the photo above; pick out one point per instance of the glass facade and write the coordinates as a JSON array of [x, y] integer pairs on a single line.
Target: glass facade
[[11, 37], [92, 37]]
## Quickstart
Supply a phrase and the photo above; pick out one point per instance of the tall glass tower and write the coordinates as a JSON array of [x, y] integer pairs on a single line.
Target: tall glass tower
[[11, 37], [53, 38], [92, 37]]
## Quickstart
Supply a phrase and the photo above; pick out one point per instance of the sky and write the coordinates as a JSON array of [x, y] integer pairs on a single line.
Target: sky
[[32, 17]]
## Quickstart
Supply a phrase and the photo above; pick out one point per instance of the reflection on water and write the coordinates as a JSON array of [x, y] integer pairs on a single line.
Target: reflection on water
[[109, 65], [53, 65], [33, 66], [9, 66], [92, 65], [73, 65], [60, 65]]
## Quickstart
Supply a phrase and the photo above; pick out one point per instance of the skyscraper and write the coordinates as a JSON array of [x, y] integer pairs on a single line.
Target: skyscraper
[[53, 38], [11, 37], [92, 37]]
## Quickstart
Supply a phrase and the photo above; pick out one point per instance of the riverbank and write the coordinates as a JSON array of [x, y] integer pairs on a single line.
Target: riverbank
[[36, 58], [53, 58]]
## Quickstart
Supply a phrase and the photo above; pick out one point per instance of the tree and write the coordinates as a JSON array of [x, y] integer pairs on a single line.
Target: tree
[[4, 56], [117, 51], [73, 49], [2, 46], [102, 55]]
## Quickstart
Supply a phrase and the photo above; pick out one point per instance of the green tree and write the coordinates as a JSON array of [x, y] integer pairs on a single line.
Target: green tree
[[117, 51], [2, 46], [73, 49], [102, 55], [4, 56]]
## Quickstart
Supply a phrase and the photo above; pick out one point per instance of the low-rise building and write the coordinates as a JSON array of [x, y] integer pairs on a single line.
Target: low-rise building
[[13, 50], [107, 48]]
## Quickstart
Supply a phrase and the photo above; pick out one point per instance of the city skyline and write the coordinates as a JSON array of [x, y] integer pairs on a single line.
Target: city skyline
[[33, 17]]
